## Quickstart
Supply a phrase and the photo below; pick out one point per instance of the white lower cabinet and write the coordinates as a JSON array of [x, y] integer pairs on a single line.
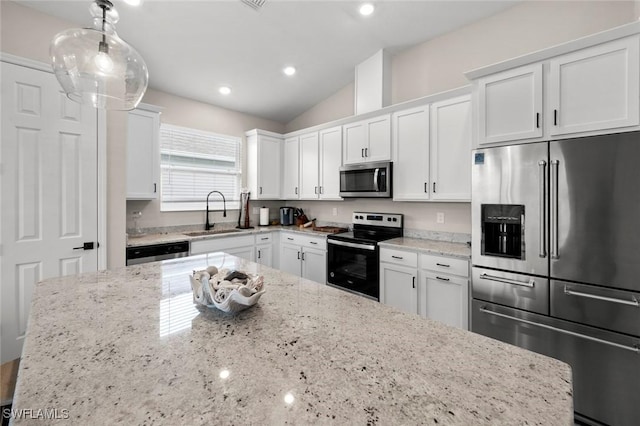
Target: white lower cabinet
[[435, 287], [304, 256], [264, 249], [241, 246], [444, 290], [398, 279]]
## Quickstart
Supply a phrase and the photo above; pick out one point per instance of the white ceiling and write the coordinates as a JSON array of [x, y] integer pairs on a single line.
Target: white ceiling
[[194, 47]]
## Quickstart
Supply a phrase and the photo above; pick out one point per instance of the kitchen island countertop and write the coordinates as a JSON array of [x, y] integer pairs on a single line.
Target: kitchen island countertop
[[127, 346]]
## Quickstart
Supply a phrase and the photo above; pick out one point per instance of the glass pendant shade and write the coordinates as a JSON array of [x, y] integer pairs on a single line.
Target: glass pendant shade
[[96, 67]]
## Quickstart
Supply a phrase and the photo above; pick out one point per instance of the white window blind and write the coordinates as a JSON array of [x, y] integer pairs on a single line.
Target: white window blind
[[194, 163]]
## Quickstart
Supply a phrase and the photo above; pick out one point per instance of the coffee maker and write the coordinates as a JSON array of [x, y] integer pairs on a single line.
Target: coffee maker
[[286, 216]]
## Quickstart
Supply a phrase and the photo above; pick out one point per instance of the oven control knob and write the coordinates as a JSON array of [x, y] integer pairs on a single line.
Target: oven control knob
[[395, 219], [388, 219], [331, 274]]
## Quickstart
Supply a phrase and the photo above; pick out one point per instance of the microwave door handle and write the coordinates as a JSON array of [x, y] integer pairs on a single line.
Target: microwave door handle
[[376, 183]]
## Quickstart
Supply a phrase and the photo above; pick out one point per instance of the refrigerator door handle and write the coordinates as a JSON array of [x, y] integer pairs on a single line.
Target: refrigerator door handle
[[635, 348], [542, 165], [530, 283], [632, 302], [554, 209]]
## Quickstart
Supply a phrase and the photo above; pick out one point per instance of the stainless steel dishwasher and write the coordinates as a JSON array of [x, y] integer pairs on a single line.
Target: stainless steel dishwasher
[[156, 252]]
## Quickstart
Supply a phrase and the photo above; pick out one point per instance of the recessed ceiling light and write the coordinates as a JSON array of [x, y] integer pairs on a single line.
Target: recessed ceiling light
[[224, 90], [289, 70], [366, 9], [133, 2]]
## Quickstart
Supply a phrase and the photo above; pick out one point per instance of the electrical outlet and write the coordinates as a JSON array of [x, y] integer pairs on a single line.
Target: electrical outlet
[[335, 211], [256, 210], [439, 217]]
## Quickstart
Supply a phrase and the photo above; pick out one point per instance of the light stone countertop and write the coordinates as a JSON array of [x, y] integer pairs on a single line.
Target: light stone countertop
[[127, 346], [444, 248], [172, 237]]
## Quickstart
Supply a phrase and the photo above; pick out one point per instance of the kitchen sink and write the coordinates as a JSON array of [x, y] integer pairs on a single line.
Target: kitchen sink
[[211, 232]]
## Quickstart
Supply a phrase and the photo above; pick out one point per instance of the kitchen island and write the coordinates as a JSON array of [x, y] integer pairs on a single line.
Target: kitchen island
[[127, 346]]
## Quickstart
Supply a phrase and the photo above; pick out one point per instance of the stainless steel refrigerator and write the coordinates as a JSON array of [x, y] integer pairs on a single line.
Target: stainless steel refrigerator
[[556, 262]]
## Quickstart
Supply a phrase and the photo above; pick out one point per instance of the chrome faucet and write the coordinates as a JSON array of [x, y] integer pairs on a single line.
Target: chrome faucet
[[208, 226]]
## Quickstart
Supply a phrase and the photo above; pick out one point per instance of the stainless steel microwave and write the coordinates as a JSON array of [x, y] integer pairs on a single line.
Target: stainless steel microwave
[[366, 180]]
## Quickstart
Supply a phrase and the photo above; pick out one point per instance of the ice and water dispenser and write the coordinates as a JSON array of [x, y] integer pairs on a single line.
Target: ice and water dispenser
[[503, 230]]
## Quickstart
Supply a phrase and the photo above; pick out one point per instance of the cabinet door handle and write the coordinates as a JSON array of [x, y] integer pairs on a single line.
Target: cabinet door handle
[[260, 190], [425, 187], [258, 254], [155, 188], [442, 279], [321, 191], [434, 187], [315, 190], [296, 190], [397, 257], [366, 152], [555, 117], [298, 255], [443, 265], [414, 282], [362, 153], [537, 120], [303, 256]]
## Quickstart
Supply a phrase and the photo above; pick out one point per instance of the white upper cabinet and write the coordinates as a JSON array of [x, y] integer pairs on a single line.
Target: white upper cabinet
[[264, 152], [143, 153], [367, 140], [451, 149], [595, 88], [411, 154], [309, 166], [290, 174], [432, 151], [330, 162], [510, 105]]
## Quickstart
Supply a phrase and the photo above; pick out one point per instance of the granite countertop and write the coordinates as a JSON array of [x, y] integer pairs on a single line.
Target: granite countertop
[[127, 346], [445, 248], [172, 237]]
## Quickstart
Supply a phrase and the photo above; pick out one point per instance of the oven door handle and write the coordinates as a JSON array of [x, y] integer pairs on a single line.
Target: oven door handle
[[369, 247]]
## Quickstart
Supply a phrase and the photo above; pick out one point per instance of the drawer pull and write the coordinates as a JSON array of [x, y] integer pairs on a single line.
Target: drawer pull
[[531, 282], [289, 238], [313, 242], [635, 348], [633, 302], [397, 257], [264, 238], [443, 265], [442, 279]]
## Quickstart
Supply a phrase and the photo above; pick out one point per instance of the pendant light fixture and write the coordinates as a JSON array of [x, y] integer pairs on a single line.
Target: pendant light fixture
[[95, 66]]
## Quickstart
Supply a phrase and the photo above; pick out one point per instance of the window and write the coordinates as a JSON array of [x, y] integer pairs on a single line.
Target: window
[[194, 163]]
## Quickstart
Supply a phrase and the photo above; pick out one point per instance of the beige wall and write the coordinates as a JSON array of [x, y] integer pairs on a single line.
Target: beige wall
[[338, 105]]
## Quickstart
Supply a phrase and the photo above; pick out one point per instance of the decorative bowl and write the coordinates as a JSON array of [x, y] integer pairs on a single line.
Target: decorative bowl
[[228, 291]]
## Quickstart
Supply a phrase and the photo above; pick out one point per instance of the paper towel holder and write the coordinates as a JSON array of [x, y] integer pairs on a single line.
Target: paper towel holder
[[264, 216]]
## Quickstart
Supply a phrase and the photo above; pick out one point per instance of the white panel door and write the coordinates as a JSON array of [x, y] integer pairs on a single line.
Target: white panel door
[[269, 157], [48, 192], [451, 149], [330, 162], [510, 105], [264, 254], [595, 88], [411, 154], [290, 174], [309, 167]]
